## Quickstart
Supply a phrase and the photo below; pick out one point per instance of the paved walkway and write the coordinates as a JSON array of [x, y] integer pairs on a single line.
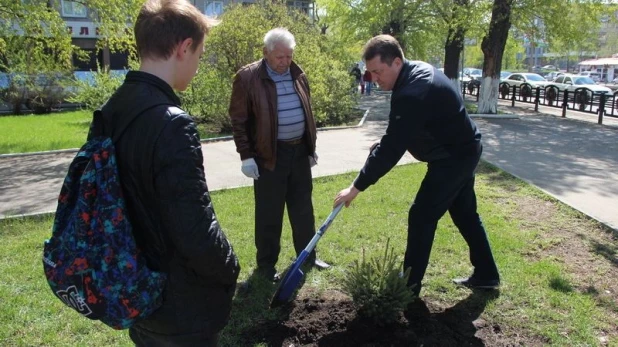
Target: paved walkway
[[574, 160]]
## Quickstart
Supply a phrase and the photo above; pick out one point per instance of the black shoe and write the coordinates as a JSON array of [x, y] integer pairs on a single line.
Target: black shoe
[[320, 264], [269, 274], [472, 282], [417, 309], [242, 288]]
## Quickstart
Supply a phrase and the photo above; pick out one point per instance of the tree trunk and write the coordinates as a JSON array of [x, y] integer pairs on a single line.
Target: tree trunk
[[452, 52], [455, 43], [493, 48]]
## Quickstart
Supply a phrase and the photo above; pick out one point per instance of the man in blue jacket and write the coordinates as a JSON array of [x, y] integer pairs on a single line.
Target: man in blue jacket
[[428, 119]]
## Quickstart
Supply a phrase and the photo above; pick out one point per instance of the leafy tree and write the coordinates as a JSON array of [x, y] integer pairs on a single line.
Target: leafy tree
[[35, 46], [511, 50], [609, 42], [411, 22], [26, 32]]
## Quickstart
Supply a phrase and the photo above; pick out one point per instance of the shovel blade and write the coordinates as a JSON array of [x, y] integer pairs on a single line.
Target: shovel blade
[[287, 287]]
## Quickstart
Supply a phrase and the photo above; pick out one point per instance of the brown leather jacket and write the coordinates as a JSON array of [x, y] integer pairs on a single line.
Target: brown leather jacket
[[253, 111]]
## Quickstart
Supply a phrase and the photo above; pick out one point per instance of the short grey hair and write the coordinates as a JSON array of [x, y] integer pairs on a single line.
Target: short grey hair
[[279, 36]]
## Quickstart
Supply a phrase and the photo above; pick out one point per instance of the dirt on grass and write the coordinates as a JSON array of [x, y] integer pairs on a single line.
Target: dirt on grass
[[331, 320], [588, 250]]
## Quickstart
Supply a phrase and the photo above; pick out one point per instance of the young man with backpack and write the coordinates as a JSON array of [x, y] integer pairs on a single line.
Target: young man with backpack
[[164, 198], [161, 167]]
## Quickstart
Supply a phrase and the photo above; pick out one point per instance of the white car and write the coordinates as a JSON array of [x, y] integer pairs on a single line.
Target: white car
[[573, 82], [595, 76], [473, 73], [517, 79]]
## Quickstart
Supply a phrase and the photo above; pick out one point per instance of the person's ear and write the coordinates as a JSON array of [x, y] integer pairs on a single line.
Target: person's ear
[[264, 51], [184, 47], [398, 62]]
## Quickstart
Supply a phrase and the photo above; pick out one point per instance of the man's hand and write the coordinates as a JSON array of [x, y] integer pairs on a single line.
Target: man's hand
[[313, 159], [250, 169], [346, 195]]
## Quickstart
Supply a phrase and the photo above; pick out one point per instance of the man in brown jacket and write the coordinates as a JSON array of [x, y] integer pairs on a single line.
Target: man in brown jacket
[[275, 135]]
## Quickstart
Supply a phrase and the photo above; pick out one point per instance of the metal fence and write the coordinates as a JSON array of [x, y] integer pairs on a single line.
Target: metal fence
[[580, 99]]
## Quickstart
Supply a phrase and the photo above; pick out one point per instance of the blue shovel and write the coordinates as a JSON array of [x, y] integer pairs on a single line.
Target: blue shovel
[[294, 275]]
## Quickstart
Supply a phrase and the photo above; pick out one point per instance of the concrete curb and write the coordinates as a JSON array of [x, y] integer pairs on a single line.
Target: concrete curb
[[213, 139], [495, 116], [55, 151], [28, 215]]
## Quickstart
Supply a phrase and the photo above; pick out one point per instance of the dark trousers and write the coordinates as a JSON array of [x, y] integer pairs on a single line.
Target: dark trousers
[[289, 185], [447, 186], [144, 338]]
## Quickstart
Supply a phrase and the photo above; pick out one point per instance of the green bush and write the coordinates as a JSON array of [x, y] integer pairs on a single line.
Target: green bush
[[15, 95], [92, 94], [207, 99], [378, 289], [40, 92]]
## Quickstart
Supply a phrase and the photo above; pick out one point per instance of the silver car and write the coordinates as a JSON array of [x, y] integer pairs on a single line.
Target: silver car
[[533, 79]]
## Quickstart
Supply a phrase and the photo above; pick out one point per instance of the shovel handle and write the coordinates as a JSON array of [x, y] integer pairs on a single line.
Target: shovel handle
[[323, 228]]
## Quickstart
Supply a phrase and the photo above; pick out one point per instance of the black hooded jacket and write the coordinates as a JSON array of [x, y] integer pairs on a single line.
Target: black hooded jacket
[[160, 164], [427, 118]]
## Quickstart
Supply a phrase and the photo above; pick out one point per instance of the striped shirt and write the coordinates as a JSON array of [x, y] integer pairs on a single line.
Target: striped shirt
[[290, 112]]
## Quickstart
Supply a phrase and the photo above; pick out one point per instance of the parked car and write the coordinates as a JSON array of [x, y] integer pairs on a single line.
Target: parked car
[[504, 74], [553, 75], [550, 67], [517, 79], [573, 82], [473, 73], [595, 76]]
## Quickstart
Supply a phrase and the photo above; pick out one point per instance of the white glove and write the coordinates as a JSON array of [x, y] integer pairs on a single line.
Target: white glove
[[313, 160], [250, 169]]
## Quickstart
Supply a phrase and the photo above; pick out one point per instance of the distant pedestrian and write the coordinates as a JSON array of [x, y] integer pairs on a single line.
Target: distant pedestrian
[[362, 85], [368, 82], [356, 72]]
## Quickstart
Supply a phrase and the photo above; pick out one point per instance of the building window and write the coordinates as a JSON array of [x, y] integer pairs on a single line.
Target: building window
[[214, 8], [302, 6], [73, 9]]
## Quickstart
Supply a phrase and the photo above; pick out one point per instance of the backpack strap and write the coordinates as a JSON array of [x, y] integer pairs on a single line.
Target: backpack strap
[[97, 128]]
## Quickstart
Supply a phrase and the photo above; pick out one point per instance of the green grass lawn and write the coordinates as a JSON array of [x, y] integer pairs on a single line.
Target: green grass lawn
[[540, 298], [34, 133]]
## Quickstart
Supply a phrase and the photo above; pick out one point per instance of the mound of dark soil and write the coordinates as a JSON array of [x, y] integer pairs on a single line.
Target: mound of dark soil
[[331, 320]]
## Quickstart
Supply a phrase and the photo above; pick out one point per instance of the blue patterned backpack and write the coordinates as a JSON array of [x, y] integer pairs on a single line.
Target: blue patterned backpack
[[91, 261]]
